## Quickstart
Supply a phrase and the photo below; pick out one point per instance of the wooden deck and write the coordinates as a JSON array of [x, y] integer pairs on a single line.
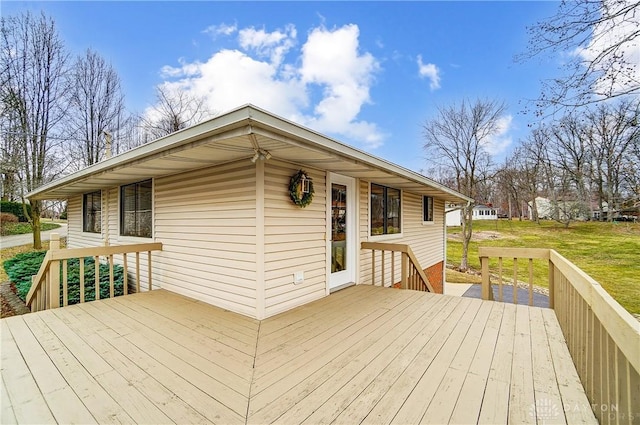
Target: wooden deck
[[362, 355]]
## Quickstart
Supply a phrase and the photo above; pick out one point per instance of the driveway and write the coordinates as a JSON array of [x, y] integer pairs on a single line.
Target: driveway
[[26, 239]]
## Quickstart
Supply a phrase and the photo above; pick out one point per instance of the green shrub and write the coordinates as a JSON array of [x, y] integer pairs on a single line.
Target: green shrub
[[16, 209], [21, 267]]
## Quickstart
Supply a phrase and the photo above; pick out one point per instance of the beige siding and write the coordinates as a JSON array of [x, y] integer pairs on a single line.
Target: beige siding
[[294, 240], [426, 240], [206, 221]]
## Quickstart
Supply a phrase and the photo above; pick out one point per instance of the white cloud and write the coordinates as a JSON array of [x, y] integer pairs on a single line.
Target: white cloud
[[221, 29], [268, 44], [430, 71], [501, 140], [328, 68], [331, 60]]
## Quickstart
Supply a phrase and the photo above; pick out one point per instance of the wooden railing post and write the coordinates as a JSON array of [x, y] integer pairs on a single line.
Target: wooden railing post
[[34, 304], [487, 293], [403, 270], [54, 273], [552, 289]]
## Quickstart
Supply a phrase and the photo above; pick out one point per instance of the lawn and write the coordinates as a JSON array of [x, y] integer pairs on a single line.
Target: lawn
[[23, 228], [608, 252]]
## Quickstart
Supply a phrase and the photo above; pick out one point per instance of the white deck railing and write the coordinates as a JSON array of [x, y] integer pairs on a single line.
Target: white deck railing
[[603, 338], [52, 276]]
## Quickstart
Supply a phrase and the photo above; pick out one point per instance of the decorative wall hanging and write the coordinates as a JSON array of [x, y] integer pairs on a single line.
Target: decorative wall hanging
[[301, 189]]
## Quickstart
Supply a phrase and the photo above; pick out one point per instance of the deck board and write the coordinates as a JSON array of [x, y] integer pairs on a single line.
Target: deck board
[[362, 355]]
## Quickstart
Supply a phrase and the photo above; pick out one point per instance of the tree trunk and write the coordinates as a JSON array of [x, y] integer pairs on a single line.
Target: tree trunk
[[35, 223], [467, 230], [534, 211]]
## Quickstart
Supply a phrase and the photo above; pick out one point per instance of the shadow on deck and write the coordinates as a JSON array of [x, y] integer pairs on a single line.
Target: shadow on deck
[[362, 355]]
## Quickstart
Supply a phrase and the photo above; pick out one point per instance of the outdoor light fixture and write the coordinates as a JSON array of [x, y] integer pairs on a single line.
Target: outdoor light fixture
[[305, 184], [260, 154]]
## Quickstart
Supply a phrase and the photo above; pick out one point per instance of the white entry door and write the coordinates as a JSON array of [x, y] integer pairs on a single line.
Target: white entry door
[[343, 240]]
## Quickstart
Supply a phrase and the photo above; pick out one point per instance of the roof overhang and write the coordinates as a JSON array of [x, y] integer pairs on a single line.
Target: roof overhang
[[234, 136]]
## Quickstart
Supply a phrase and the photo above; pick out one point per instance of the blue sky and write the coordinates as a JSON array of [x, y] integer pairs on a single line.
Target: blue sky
[[366, 73]]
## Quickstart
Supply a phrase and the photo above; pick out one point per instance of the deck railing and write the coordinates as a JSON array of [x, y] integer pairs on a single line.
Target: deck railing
[[411, 274], [603, 338], [52, 275]]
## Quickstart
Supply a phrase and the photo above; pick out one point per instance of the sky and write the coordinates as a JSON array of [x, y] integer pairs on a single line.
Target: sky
[[368, 74]]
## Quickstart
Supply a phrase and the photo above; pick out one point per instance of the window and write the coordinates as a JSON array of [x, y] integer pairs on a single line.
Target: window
[[427, 208], [92, 212], [136, 209], [385, 210]]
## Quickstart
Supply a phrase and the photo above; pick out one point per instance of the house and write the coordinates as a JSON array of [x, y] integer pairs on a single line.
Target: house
[[453, 215], [256, 214], [484, 212], [560, 209]]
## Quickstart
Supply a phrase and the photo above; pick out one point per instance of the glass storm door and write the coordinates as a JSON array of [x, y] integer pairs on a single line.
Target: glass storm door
[[342, 231]]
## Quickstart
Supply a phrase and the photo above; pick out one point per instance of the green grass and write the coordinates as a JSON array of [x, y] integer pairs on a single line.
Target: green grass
[[608, 252], [23, 228]]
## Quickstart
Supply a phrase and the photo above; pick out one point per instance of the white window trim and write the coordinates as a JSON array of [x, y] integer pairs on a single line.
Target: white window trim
[[138, 239], [392, 236]]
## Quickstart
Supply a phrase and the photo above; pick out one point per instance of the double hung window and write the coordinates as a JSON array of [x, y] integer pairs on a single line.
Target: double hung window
[[136, 215], [92, 212], [385, 210]]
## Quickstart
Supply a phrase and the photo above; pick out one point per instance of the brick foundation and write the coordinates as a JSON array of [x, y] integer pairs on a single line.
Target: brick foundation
[[434, 274]]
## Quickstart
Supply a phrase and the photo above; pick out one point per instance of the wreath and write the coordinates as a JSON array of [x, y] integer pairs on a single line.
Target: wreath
[[296, 191]]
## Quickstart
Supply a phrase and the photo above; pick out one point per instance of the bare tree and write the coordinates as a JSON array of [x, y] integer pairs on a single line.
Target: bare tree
[[174, 110], [10, 154], [598, 42], [457, 138], [556, 178], [568, 146], [33, 60], [96, 106], [519, 178], [536, 149], [614, 132]]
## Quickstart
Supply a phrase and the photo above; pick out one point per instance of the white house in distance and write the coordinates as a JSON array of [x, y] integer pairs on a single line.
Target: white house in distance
[[480, 212], [484, 212], [218, 197]]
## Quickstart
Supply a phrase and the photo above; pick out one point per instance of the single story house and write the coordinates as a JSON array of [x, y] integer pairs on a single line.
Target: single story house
[[484, 212], [224, 197]]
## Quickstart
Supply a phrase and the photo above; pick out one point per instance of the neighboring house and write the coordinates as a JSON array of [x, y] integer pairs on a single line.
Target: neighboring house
[[543, 206], [561, 210], [484, 212], [217, 195], [453, 215]]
